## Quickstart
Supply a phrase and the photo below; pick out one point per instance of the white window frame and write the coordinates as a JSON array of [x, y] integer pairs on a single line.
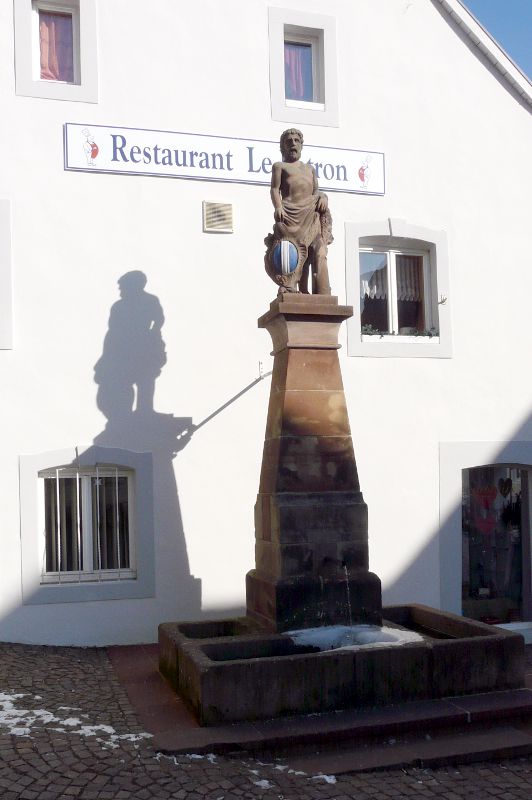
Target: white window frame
[[399, 236], [90, 571], [320, 32], [27, 51], [430, 313], [6, 292], [140, 582]]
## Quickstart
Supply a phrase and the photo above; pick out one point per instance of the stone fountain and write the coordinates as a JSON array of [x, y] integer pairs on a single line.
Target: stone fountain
[[311, 530], [311, 525]]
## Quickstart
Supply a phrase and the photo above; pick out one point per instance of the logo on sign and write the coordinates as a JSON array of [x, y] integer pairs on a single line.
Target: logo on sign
[[90, 148]]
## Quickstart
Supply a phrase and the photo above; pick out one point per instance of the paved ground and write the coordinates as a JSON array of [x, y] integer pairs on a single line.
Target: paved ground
[[67, 730]]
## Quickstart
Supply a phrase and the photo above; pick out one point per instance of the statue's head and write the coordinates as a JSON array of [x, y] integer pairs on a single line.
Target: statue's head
[[291, 144]]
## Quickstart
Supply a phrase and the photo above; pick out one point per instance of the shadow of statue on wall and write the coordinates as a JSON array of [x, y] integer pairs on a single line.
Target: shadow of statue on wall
[[133, 351], [132, 359]]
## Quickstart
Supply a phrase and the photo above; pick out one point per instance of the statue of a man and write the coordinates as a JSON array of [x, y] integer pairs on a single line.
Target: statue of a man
[[303, 225]]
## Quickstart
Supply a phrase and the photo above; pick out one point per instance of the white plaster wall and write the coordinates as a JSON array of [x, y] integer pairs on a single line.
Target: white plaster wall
[[457, 158]]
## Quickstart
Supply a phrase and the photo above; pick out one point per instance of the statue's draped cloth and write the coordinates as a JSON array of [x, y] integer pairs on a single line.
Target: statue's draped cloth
[[302, 225]]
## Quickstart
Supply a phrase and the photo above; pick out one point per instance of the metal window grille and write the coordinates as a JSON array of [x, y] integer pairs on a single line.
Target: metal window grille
[[87, 524]]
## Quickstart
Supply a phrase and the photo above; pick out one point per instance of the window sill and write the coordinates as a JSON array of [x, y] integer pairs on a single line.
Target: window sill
[[389, 346], [57, 90], [305, 105], [53, 82], [52, 578], [388, 337], [86, 591]]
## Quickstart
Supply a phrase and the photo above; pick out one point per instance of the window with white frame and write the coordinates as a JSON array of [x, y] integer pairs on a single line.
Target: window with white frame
[[87, 524], [397, 280], [303, 79], [396, 292], [56, 49]]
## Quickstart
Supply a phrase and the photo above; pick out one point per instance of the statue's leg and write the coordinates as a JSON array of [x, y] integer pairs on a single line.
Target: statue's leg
[[303, 281], [320, 272]]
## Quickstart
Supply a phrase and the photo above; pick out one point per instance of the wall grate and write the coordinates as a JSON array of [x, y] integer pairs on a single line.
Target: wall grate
[[217, 217]]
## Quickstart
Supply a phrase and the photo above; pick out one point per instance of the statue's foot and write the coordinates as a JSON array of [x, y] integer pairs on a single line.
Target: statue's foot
[[287, 290]]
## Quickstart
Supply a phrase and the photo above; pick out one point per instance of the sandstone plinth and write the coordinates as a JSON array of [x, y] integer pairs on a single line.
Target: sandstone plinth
[[310, 517]]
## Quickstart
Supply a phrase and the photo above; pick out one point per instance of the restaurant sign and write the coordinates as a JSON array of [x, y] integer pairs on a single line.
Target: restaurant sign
[[199, 156]]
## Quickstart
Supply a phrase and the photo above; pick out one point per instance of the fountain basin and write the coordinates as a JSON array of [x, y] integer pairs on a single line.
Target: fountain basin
[[172, 635], [230, 678]]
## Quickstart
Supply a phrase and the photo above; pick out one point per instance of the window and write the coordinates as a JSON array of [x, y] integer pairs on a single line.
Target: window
[[484, 530], [397, 283], [55, 49], [87, 524], [396, 293], [495, 544], [56, 39], [303, 67], [86, 521]]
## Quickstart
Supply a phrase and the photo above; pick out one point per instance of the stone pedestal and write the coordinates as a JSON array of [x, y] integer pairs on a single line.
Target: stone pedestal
[[310, 518]]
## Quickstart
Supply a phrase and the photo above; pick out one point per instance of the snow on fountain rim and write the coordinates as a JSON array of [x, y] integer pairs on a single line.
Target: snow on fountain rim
[[353, 637]]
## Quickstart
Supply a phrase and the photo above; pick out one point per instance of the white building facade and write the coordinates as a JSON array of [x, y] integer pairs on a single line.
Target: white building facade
[[134, 200]]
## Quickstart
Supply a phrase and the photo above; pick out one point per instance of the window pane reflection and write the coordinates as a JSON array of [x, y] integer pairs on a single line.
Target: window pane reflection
[[409, 275], [492, 544], [374, 291]]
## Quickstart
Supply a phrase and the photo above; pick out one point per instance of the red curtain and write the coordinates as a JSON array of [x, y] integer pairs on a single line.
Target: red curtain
[[293, 70], [57, 46]]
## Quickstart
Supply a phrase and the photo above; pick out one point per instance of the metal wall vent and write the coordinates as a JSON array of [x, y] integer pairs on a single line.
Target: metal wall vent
[[217, 217]]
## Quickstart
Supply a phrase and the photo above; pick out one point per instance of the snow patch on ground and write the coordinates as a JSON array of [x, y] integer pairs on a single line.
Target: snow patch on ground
[[351, 637], [326, 778], [22, 721], [263, 784], [173, 759], [209, 756]]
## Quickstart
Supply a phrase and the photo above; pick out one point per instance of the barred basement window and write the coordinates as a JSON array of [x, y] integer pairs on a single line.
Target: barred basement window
[[87, 524]]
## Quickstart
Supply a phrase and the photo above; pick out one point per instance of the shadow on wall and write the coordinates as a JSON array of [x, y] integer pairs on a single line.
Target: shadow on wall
[[132, 359]]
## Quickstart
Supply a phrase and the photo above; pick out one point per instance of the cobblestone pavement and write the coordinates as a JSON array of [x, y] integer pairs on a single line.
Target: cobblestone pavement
[[67, 730]]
